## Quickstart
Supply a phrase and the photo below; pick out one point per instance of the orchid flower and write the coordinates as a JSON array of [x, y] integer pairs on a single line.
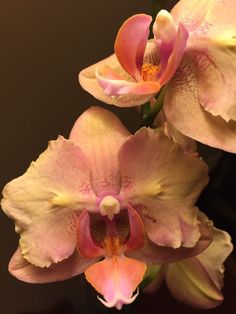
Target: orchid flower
[[193, 53], [106, 203], [198, 280]]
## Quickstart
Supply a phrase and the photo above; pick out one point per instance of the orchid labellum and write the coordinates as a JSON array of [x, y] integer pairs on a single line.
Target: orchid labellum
[[193, 54], [107, 203]]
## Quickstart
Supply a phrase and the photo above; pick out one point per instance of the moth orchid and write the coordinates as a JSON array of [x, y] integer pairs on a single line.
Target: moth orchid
[[106, 203], [193, 53], [198, 280]]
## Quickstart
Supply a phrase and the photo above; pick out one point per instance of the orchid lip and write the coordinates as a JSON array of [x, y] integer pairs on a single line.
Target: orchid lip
[[119, 300]]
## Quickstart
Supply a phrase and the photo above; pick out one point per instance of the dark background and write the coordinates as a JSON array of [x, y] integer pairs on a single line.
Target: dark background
[[43, 46]]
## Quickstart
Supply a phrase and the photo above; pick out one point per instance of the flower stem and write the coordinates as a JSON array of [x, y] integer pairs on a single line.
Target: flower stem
[[149, 112]]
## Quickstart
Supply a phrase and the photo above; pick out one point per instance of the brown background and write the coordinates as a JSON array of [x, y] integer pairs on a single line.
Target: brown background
[[43, 46]]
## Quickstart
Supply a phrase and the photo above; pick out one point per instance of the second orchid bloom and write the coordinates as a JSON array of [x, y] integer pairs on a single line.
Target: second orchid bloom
[[193, 54], [108, 203]]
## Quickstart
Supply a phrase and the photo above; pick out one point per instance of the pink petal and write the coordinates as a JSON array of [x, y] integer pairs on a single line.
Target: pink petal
[[119, 87], [136, 232], [198, 280], [85, 243], [66, 269], [109, 74], [88, 78], [170, 224], [152, 253], [176, 55], [211, 45], [43, 201], [191, 13], [131, 42], [206, 15], [152, 166], [183, 109], [187, 144], [49, 239], [100, 134], [216, 69], [116, 279]]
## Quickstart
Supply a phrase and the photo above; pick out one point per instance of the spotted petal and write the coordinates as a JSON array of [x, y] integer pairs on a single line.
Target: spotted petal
[[212, 45], [152, 166], [43, 202], [100, 134], [198, 280], [184, 110]]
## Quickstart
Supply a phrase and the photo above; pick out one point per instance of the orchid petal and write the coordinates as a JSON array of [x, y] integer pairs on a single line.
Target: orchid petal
[[175, 56], [131, 42], [43, 202], [191, 13], [23, 270], [88, 78], [216, 68], [183, 109], [116, 278], [213, 48], [86, 245], [152, 253], [136, 232], [100, 134], [118, 87], [188, 145], [198, 280], [143, 180], [170, 224]]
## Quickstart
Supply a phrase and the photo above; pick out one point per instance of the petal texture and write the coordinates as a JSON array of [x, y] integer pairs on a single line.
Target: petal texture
[[183, 109], [152, 166], [116, 279], [100, 134], [198, 280], [44, 200], [154, 254], [131, 42], [66, 269]]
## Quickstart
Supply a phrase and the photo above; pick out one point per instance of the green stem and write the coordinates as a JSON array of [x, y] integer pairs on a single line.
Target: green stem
[[149, 113]]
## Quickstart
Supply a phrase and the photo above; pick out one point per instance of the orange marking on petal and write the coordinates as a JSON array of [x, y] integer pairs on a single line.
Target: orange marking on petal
[[149, 72], [113, 246], [116, 279]]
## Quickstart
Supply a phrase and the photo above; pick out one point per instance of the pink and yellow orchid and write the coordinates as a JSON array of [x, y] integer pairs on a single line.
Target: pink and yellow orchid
[[106, 203], [198, 280], [194, 51]]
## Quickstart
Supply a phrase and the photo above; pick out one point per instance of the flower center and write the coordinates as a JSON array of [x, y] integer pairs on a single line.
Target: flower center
[[149, 72], [112, 246], [109, 206]]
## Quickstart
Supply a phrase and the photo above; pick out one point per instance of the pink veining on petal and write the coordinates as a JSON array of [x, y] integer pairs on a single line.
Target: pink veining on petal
[[99, 134], [131, 42]]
